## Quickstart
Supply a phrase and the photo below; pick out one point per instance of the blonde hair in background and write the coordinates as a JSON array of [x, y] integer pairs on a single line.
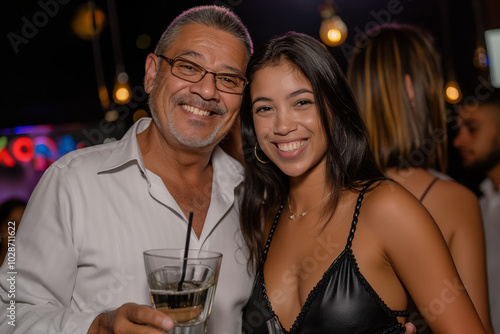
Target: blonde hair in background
[[404, 132]]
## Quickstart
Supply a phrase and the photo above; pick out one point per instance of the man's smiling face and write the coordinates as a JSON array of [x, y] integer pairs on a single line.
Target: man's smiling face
[[196, 115]]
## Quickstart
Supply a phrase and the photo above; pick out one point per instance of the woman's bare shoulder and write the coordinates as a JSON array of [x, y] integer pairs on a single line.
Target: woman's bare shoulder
[[389, 194], [397, 218], [453, 206], [453, 191], [390, 202]]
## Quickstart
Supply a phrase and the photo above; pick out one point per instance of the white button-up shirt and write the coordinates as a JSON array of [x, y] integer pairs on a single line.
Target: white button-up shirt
[[490, 208], [79, 249]]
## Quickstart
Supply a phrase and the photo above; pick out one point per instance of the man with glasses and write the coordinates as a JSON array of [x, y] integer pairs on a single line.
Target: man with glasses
[[192, 72], [80, 251], [80, 267]]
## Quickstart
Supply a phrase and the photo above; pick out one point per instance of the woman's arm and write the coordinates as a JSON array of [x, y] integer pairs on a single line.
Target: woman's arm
[[457, 212], [420, 257]]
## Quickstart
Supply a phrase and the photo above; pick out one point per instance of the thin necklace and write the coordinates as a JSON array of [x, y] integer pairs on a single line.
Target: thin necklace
[[302, 214]]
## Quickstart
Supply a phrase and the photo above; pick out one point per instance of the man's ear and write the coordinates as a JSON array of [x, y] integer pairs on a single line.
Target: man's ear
[[150, 71], [409, 88]]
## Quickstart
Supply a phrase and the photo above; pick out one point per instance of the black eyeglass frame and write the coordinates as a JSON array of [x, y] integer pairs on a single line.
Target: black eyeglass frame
[[205, 71]]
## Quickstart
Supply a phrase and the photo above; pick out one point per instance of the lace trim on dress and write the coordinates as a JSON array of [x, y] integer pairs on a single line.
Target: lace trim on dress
[[326, 276], [310, 298], [371, 291], [353, 261]]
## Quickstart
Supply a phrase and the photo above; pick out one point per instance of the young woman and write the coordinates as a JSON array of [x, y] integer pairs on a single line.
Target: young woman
[[396, 78], [335, 244]]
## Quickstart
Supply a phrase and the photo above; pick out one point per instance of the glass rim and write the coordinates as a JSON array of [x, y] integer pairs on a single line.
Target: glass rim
[[158, 252]]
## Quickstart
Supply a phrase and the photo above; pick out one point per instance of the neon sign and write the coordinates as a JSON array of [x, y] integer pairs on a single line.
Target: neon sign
[[38, 146], [40, 150]]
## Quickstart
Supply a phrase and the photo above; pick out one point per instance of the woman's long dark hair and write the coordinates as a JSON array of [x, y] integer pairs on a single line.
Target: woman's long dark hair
[[349, 162]]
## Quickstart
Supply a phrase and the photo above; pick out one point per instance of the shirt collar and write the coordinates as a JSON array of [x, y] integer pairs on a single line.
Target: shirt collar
[[487, 188], [226, 167], [127, 148]]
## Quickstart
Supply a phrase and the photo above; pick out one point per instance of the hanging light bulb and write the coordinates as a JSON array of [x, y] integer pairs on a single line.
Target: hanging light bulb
[[333, 31], [121, 92], [453, 93], [88, 22]]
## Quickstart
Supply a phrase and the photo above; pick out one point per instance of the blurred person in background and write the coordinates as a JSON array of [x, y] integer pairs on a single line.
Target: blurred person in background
[[395, 75], [478, 141], [11, 212]]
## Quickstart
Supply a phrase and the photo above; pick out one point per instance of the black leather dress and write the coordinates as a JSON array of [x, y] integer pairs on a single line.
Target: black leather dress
[[342, 302]]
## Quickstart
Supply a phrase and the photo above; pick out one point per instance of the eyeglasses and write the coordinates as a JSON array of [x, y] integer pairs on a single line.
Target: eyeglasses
[[192, 72]]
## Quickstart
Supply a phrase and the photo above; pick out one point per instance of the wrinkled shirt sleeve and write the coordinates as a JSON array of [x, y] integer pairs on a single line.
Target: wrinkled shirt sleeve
[[37, 298]]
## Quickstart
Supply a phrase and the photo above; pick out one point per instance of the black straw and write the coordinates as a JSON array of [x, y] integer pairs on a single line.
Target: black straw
[[186, 250]]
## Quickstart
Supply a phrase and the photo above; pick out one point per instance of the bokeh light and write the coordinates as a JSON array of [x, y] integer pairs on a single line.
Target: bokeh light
[[139, 114], [333, 31], [143, 41], [453, 94], [83, 24]]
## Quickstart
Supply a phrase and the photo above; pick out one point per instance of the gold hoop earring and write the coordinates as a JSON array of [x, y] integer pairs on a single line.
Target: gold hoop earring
[[256, 156]]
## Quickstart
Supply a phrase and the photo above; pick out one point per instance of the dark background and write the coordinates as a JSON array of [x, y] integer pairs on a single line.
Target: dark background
[[51, 77]]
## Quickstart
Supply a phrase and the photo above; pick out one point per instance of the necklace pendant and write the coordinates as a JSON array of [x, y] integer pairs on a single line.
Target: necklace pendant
[[302, 214]]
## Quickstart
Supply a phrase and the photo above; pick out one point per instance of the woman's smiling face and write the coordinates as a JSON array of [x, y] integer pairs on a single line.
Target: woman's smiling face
[[286, 118]]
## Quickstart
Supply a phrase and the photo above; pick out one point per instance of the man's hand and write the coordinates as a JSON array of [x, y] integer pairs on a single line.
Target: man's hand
[[410, 329], [131, 318]]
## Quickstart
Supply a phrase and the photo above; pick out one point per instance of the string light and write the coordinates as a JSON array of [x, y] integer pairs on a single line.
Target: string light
[[453, 93], [88, 22], [333, 31], [121, 92]]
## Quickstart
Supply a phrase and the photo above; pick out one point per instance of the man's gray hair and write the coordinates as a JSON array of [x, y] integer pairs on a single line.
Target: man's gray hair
[[212, 16]]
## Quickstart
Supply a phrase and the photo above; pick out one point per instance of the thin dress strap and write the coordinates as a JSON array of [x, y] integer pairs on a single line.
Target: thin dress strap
[[270, 237], [428, 188], [353, 229], [356, 213]]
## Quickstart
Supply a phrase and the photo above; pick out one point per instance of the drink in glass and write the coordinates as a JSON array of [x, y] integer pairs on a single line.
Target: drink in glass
[[183, 288]]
